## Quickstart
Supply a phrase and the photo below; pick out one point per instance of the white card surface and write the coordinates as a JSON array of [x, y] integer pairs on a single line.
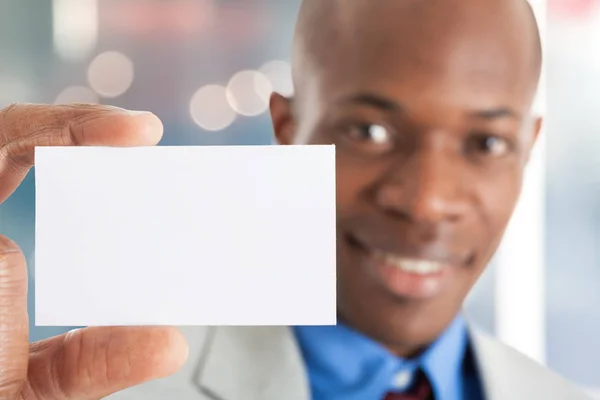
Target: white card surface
[[185, 236]]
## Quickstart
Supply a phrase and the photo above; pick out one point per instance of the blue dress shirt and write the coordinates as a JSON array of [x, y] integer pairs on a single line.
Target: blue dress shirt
[[342, 364]]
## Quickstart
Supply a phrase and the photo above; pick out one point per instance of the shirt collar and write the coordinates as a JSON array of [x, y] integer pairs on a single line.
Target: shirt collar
[[343, 363], [443, 361]]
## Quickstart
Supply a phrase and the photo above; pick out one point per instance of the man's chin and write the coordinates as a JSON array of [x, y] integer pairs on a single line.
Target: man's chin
[[404, 326], [406, 341]]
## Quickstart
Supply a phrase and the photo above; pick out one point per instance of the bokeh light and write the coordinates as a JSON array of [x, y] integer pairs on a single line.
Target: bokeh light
[[248, 93], [110, 74], [75, 28], [210, 108], [77, 94]]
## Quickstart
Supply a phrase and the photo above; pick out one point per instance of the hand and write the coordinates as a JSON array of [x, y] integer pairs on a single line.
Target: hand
[[87, 363]]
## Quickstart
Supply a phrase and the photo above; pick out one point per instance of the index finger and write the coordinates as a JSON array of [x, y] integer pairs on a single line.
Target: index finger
[[25, 126]]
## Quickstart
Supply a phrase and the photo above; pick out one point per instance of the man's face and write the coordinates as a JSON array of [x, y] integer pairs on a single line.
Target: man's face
[[431, 144]]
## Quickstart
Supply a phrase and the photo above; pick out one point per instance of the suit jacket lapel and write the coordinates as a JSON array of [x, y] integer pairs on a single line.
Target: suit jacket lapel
[[490, 366], [507, 374], [262, 363]]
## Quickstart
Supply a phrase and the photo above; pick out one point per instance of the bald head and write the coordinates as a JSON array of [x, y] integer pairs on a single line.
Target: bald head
[[333, 31], [428, 103]]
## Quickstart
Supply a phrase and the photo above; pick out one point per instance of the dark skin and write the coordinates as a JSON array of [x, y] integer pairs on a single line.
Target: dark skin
[[428, 104]]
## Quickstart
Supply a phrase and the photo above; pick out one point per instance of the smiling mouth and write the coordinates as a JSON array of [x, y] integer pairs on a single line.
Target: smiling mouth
[[410, 265], [406, 276]]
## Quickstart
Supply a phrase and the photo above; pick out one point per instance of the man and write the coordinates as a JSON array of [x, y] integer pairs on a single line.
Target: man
[[428, 104]]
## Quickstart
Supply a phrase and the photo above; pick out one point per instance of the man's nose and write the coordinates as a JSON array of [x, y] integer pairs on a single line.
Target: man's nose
[[429, 187]]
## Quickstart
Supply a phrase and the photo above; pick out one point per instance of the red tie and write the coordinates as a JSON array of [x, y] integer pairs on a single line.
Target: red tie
[[420, 390]]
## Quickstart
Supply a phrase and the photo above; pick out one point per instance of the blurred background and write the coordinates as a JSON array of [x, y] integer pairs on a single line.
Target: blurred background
[[207, 67]]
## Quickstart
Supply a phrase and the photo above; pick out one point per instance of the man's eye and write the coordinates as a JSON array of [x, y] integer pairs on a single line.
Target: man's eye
[[489, 145], [373, 133]]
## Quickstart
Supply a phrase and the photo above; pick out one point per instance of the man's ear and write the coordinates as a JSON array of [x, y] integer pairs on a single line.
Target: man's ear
[[282, 118]]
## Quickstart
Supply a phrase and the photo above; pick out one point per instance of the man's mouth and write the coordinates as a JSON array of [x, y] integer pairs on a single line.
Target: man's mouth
[[407, 276], [411, 265]]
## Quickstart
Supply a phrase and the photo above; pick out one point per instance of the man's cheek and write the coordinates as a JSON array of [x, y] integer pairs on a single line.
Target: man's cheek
[[351, 190], [356, 172]]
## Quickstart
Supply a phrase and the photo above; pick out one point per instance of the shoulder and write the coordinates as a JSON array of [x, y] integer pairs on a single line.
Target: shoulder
[[508, 373]]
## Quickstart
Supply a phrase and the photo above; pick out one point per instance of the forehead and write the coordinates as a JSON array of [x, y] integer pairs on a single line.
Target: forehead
[[466, 61]]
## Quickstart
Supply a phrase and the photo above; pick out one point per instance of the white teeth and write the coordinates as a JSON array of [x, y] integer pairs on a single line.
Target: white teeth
[[416, 266]]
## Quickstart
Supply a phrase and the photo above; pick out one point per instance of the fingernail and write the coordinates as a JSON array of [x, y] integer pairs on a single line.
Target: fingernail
[[135, 113]]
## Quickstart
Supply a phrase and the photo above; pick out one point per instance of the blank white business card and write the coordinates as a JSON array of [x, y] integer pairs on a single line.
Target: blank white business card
[[185, 236]]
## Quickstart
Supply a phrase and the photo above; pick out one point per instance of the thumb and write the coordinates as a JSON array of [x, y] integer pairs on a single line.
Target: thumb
[[92, 363]]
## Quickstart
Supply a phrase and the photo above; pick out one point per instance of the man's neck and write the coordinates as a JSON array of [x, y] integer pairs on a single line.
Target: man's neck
[[405, 351]]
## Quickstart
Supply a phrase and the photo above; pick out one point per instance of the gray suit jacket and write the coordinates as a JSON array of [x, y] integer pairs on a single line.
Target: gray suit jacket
[[264, 363]]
